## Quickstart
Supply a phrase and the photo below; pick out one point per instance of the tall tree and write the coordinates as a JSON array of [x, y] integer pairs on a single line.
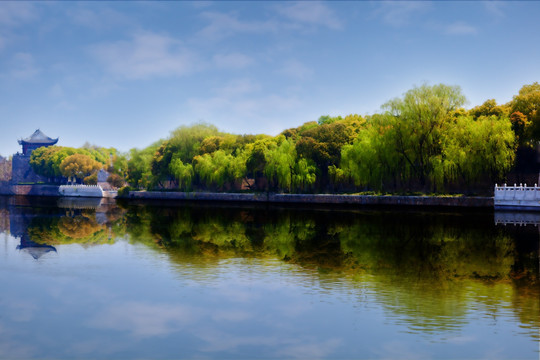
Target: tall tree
[[79, 166], [527, 103], [420, 120]]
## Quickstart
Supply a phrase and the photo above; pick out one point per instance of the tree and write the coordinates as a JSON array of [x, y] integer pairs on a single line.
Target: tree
[[527, 102], [46, 161], [372, 159], [42, 161], [220, 168], [139, 172], [256, 159], [424, 141], [79, 166], [5, 169], [489, 108], [115, 180], [473, 149], [521, 127], [183, 143], [419, 121], [182, 172], [280, 164]]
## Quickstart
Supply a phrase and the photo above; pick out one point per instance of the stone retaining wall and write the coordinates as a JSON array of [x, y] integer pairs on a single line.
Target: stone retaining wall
[[482, 202], [436, 201], [28, 190]]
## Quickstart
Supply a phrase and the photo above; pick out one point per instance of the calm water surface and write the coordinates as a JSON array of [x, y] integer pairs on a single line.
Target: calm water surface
[[84, 280]]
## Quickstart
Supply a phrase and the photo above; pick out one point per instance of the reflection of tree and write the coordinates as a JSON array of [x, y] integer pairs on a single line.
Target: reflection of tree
[[425, 269], [68, 230], [413, 245], [78, 227]]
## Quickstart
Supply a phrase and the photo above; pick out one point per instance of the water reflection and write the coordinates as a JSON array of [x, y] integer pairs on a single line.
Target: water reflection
[[425, 268], [431, 273], [35, 250]]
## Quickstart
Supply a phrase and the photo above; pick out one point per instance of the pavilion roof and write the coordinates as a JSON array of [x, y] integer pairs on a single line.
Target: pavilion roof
[[38, 137]]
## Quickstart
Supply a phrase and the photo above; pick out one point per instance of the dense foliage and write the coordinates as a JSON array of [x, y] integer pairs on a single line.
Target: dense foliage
[[424, 141]]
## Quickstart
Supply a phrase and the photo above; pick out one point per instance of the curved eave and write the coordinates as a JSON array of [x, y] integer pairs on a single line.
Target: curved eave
[[50, 142]]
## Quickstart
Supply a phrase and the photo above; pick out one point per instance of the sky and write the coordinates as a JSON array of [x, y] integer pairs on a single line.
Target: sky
[[125, 74]]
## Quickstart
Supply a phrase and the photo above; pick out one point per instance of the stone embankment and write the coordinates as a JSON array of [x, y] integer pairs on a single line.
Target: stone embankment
[[436, 201], [302, 199], [28, 190], [7, 188]]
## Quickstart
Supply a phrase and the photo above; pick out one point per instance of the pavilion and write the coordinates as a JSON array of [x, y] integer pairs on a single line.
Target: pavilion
[[36, 140]]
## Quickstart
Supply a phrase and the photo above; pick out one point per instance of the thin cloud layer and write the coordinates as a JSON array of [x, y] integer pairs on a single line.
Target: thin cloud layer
[[311, 13], [222, 25], [14, 13], [249, 67], [460, 28], [400, 13], [147, 54]]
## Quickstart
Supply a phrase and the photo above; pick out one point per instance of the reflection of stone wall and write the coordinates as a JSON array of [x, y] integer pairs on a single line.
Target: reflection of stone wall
[[4, 221], [22, 171]]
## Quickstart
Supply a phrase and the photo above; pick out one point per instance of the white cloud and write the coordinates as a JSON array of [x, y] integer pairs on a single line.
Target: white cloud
[[222, 25], [243, 106], [295, 69], [400, 13], [12, 15], [232, 316], [145, 320], [237, 88], [16, 13], [310, 13], [100, 19], [495, 8], [201, 4], [146, 55], [23, 66], [232, 60], [460, 28], [310, 349]]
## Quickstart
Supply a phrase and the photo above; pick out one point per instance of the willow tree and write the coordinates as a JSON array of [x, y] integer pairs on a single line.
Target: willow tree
[[219, 168], [476, 149], [420, 120], [280, 163], [372, 161], [422, 142], [286, 170], [183, 173]]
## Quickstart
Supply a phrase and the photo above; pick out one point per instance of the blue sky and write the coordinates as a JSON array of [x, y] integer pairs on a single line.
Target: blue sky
[[125, 74]]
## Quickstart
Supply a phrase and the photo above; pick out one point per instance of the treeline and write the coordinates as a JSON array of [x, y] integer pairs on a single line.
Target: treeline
[[58, 163], [424, 141]]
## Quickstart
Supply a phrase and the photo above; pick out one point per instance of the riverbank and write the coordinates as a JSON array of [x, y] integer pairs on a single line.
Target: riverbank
[[44, 190], [29, 190], [325, 199], [273, 198]]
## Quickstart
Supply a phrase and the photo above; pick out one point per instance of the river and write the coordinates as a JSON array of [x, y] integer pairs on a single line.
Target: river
[[85, 280]]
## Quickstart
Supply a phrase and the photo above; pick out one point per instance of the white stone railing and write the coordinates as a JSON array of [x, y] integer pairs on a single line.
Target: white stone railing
[[516, 197], [517, 192], [81, 190]]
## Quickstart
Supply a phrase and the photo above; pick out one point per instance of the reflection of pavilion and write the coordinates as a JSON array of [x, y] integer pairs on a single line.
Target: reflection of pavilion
[[19, 219], [34, 249]]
